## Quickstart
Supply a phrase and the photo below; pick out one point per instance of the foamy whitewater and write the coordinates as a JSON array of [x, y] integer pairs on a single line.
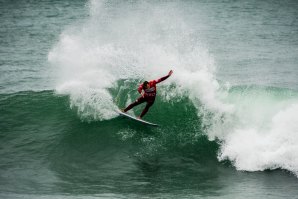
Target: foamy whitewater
[[92, 59], [264, 133], [257, 130]]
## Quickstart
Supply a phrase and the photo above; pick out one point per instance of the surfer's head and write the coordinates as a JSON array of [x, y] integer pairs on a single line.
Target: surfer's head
[[145, 84]]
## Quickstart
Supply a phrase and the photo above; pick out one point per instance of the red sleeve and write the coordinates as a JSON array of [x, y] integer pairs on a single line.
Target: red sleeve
[[153, 82], [162, 79], [140, 88]]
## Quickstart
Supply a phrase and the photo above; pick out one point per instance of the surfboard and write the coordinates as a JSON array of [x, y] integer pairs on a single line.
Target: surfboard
[[136, 119]]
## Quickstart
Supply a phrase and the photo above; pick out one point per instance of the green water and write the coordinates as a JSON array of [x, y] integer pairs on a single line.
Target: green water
[[227, 116]]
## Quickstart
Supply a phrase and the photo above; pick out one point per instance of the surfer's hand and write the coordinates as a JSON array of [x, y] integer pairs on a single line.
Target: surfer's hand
[[170, 73], [143, 95]]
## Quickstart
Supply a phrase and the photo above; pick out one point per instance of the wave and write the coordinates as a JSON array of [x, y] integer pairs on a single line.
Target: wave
[[100, 63], [260, 134], [49, 118], [262, 130]]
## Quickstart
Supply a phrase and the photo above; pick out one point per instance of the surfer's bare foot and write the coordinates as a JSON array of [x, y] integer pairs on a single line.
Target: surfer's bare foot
[[139, 117], [122, 110]]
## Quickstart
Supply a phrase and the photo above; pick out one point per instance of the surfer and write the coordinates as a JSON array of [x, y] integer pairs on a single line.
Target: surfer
[[148, 93]]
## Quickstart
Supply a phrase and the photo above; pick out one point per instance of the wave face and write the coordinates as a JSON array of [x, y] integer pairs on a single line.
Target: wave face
[[259, 134], [59, 150], [46, 143]]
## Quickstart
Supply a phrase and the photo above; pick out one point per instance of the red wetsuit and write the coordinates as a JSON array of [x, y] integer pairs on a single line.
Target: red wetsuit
[[149, 95]]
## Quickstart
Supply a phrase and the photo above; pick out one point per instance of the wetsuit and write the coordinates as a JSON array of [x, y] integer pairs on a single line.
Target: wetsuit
[[149, 95]]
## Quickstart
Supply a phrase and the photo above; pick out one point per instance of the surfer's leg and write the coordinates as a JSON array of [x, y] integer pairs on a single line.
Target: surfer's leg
[[148, 105], [137, 102]]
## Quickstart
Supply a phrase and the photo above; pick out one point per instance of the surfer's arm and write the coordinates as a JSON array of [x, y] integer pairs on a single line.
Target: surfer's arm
[[140, 90], [165, 77]]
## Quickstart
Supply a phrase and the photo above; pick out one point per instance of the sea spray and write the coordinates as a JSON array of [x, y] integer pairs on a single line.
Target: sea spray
[[132, 44]]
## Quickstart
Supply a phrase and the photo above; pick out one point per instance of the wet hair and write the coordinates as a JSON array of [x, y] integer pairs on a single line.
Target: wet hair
[[145, 83]]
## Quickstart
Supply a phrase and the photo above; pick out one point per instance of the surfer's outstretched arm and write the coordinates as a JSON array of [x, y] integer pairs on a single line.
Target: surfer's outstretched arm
[[165, 77]]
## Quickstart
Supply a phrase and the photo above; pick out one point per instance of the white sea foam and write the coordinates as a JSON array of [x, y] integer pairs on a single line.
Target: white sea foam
[[264, 132], [128, 41]]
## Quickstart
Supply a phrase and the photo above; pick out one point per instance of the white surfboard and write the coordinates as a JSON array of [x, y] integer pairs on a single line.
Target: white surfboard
[[136, 119]]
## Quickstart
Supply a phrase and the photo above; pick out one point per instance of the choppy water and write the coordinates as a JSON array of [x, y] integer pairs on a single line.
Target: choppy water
[[228, 114]]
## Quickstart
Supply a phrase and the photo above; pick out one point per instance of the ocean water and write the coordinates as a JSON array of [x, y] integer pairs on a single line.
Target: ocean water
[[228, 115]]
